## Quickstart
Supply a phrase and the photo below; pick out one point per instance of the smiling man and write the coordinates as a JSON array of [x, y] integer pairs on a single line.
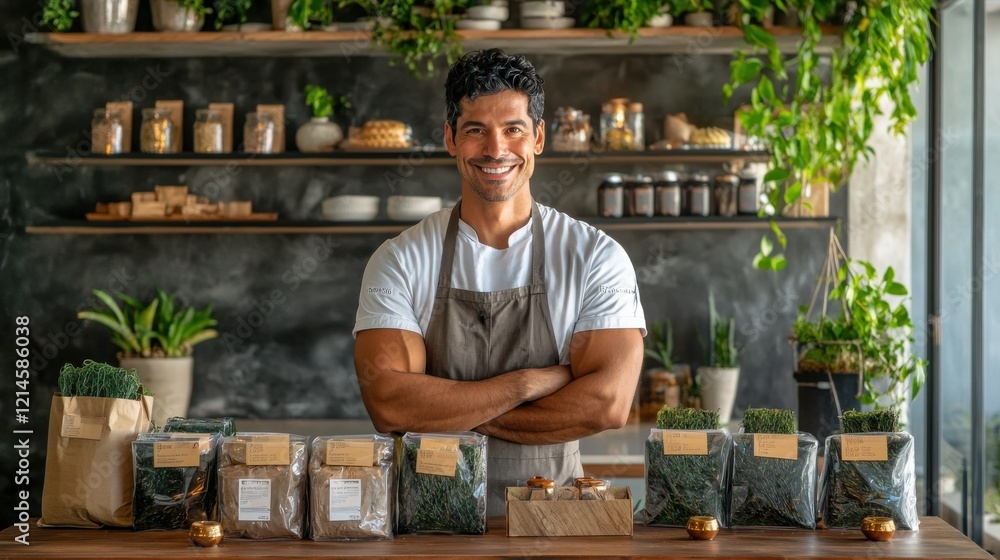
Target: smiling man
[[500, 315]]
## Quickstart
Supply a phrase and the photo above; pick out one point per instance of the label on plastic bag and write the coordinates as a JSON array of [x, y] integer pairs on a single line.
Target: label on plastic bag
[[350, 453], [82, 427], [683, 442], [204, 440], [255, 499], [267, 453], [345, 499], [270, 438], [776, 446], [176, 454], [432, 461], [865, 448], [439, 444]]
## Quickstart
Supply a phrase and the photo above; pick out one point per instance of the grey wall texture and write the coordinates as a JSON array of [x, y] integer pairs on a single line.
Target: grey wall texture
[[286, 303]]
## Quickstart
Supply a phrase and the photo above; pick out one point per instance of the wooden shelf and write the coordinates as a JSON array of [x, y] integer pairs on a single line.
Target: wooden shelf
[[677, 39], [80, 227], [386, 158]]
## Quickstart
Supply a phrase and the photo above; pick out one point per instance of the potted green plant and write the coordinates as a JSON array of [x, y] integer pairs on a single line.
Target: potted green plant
[[626, 16], [719, 379], [319, 134], [300, 15], [660, 384], [417, 31], [697, 13], [99, 16], [235, 11], [156, 339], [862, 352], [179, 15]]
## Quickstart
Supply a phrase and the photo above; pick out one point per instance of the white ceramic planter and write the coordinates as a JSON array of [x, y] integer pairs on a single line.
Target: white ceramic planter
[[109, 16], [169, 15], [170, 380], [318, 135], [718, 390]]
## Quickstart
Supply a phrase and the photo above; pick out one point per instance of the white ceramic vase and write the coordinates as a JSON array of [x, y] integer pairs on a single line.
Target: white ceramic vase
[[718, 390], [170, 380], [109, 16], [318, 135]]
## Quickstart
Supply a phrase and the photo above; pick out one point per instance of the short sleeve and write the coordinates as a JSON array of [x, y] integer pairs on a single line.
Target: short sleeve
[[611, 293], [386, 301]]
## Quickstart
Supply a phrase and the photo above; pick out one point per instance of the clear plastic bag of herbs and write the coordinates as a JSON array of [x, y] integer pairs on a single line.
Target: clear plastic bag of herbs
[[442, 483], [773, 472], [686, 467], [172, 480], [225, 427], [858, 483], [351, 487], [263, 486]]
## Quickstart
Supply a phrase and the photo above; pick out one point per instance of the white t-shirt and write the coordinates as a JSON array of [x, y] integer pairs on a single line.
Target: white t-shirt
[[590, 280]]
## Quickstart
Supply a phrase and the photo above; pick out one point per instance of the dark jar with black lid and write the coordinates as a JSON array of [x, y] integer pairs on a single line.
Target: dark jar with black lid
[[611, 197], [669, 202], [639, 196]]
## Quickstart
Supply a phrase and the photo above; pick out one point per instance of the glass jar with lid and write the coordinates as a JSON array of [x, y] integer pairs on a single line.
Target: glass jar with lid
[[615, 136], [699, 195], [667, 188], [635, 122], [639, 196], [726, 191], [258, 134], [107, 132], [571, 130], [208, 132], [749, 195], [156, 135], [611, 197]]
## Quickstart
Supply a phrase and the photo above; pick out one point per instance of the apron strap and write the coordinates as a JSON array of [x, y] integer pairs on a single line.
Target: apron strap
[[537, 247]]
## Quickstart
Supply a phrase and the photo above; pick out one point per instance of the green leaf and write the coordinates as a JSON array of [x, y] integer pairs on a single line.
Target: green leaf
[[777, 174], [793, 192], [778, 262], [766, 246], [762, 262], [889, 275], [782, 239], [896, 289]]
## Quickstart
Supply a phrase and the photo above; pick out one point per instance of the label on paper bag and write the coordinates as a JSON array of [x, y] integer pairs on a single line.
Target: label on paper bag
[[345, 499], [776, 446], [350, 453], [267, 453], [865, 448], [176, 454], [82, 427], [255, 499], [682, 442]]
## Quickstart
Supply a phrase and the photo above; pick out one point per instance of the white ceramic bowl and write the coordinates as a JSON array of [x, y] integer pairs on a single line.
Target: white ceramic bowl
[[351, 208], [661, 21], [497, 13], [547, 23], [548, 9], [478, 24], [410, 208]]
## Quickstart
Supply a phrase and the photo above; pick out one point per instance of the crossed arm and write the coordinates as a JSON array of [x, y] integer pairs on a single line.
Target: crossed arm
[[532, 406]]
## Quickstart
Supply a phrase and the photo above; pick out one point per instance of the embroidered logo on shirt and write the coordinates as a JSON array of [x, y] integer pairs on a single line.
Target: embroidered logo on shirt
[[380, 291], [607, 289]]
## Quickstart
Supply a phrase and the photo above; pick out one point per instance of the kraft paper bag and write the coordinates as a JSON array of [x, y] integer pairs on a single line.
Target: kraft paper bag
[[88, 469]]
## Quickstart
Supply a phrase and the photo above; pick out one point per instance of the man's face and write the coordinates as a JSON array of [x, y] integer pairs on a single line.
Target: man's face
[[495, 144]]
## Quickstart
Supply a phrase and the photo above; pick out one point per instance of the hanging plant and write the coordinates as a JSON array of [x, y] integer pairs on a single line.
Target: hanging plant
[[304, 13], [818, 129], [59, 14], [626, 16], [231, 11]]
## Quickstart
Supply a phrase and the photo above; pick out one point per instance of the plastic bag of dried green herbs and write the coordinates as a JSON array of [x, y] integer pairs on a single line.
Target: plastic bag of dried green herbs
[[351, 488], [773, 472], [869, 471], [263, 485], [442, 483], [172, 479], [686, 467], [225, 427]]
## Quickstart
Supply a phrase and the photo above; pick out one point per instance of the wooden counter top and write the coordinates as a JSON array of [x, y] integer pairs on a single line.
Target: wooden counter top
[[936, 539]]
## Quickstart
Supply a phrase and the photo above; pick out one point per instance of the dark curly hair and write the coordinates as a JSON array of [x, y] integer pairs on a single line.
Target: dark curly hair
[[492, 71]]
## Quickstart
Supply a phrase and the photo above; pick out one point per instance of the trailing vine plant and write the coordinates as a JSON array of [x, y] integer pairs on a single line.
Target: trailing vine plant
[[818, 129]]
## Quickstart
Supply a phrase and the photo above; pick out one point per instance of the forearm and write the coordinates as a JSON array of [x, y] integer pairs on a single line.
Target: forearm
[[415, 402]]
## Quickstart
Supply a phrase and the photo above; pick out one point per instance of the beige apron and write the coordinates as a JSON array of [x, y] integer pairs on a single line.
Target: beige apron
[[476, 335]]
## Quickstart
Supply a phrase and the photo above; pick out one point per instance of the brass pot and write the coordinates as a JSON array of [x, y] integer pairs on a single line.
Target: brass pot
[[879, 529], [206, 533], [702, 528]]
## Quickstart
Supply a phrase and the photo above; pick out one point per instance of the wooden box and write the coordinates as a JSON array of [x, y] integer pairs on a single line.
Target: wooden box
[[569, 518], [173, 196]]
